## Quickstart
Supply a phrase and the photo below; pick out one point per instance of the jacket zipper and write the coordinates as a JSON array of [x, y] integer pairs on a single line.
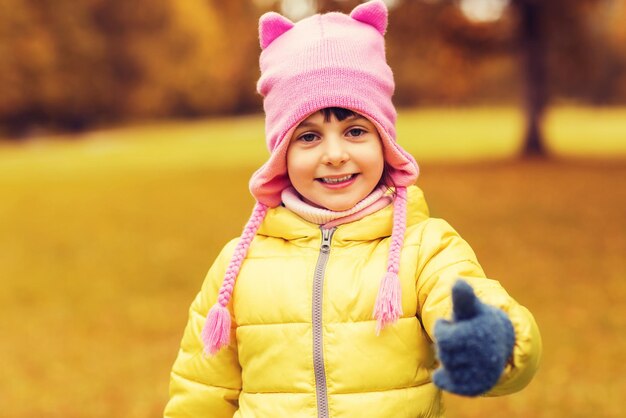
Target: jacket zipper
[[318, 343]]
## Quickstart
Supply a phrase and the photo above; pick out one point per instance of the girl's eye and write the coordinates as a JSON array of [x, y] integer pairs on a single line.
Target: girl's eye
[[307, 137], [356, 132]]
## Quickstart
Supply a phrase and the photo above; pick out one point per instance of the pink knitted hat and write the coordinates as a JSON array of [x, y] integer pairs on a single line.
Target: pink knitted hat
[[326, 60]]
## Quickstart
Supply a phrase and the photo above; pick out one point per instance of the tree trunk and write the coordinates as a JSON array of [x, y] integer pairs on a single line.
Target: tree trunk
[[532, 43]]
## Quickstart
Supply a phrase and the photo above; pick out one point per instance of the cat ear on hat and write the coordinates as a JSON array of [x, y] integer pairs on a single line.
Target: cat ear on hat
[[271, 26], [373, 13]]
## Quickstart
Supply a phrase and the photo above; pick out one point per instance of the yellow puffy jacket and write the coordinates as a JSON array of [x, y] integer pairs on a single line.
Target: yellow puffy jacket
[[304, 344]]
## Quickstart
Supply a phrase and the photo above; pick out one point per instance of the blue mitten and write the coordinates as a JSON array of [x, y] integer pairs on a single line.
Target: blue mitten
[[474, 347]]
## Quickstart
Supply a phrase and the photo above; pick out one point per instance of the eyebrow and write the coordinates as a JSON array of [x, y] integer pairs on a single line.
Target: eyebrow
[[306, 124]]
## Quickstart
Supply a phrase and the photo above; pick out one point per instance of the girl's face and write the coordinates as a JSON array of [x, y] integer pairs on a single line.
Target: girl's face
[[335, 164]]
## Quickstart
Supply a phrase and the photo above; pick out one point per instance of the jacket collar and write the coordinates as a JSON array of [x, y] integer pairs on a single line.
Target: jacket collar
[[280, 222]]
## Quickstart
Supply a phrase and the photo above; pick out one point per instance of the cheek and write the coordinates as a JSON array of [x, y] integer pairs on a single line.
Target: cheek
[[376, 161], [296, 165]]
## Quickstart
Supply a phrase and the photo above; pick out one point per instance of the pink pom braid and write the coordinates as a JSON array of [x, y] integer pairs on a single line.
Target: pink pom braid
[[388, 306], [216, 331]]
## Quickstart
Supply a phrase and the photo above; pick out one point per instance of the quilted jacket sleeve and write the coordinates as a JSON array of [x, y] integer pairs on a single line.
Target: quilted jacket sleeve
[[445, 257], [200, 385]]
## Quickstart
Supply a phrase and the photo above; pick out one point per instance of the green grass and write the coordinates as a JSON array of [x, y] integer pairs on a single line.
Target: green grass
[[105, 239]]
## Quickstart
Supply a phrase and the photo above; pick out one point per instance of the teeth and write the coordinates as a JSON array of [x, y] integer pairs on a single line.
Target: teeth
[[336, 180]]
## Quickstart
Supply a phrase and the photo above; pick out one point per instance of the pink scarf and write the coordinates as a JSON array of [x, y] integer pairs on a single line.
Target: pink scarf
[[378, 199]]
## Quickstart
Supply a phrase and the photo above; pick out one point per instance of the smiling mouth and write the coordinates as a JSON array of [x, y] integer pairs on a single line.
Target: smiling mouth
[[335, 180]]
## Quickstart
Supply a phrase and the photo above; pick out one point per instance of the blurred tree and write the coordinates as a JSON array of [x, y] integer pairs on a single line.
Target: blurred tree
[[440, 57], [532, 19], [71, 64], [562, 56], [25, 49], [52, 58], [239, 39], [550, 38], [168, 58]]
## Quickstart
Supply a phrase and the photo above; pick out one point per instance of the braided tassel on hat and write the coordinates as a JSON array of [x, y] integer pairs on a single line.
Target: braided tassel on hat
[[388, 307], [216, 331]]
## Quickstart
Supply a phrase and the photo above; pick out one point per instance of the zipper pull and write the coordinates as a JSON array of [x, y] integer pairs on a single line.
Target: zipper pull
[[327, 235]]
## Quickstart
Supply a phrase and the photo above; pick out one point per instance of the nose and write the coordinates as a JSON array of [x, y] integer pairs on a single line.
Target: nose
[[335, 152]]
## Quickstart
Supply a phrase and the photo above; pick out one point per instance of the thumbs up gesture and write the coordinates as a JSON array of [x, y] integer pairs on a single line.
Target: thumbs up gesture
[[474, 347]]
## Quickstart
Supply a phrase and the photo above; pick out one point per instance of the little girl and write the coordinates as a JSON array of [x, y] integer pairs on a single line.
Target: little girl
[[342, 298]]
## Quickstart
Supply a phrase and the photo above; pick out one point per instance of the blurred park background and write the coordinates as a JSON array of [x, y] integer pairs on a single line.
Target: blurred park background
[[129, 130]]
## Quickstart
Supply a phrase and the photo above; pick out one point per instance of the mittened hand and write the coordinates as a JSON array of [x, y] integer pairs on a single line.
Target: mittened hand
[[474, 347]]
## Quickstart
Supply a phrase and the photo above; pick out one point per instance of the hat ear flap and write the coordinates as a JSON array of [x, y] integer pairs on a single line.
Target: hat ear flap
[[271, 26], [373, 13]]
